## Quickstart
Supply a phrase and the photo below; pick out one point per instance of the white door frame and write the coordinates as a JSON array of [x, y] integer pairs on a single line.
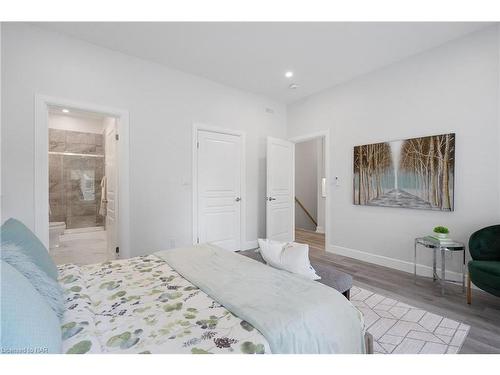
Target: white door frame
[[307, 137], [203, 127], [41, 164]]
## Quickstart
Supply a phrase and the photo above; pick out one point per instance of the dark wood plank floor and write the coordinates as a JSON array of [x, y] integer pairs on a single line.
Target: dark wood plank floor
[[483, 315]]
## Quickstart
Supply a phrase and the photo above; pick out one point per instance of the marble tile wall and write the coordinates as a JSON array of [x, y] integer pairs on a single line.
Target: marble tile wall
[[75, 181], [77, 142]]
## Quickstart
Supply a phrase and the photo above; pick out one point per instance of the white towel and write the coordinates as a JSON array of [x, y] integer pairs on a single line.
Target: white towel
[[104, 193]]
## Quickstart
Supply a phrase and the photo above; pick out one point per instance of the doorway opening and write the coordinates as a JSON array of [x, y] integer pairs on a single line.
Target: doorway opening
[[83, 186], [310, 192]]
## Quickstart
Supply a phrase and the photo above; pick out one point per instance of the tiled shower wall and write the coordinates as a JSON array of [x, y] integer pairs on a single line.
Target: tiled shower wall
[[75, 180]]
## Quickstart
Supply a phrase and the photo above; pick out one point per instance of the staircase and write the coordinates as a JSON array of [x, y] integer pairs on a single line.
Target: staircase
[[308, 214]]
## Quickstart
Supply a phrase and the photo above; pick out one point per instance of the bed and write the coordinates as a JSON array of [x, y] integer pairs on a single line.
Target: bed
[[141, 305], [162, 303]]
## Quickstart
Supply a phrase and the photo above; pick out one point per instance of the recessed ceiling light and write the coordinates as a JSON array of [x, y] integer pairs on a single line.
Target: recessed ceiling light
[[65, 110], [293, 86], [289, 74]]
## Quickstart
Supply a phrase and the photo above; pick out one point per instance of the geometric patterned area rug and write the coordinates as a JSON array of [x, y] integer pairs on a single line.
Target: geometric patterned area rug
[[398, 328]]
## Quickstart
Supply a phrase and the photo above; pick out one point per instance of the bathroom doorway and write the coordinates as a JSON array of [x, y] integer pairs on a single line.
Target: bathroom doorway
[[83, 186]]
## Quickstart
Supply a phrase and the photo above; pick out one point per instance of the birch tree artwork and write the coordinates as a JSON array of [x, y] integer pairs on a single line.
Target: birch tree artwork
[[413, 173]]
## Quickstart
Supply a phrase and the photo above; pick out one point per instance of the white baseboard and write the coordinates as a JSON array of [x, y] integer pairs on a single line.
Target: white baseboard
[[320, 229], [398, 264]]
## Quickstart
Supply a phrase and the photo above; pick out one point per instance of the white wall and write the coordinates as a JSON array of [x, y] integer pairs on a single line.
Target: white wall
[[306, 183], [77, 124], [453, 88], [163, 104], [1, 75]]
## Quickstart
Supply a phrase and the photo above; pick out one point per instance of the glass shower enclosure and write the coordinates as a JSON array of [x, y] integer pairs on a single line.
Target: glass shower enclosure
[[76, 168]]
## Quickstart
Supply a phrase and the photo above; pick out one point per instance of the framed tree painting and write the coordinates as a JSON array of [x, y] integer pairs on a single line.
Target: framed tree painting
[[411, 173]]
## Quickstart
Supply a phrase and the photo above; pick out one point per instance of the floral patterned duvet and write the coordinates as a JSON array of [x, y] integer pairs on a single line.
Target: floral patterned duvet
[[142, 305]]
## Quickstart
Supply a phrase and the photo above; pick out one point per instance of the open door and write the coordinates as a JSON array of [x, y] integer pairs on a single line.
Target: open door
[[111, 187], [280, 207]]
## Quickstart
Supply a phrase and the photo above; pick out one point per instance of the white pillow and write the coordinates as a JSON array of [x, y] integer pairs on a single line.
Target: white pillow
[[271, 251], [289, 256]]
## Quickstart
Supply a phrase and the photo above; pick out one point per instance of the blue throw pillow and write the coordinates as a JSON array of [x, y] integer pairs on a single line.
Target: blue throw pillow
[[45, 285], [29, 325], [16, 233]]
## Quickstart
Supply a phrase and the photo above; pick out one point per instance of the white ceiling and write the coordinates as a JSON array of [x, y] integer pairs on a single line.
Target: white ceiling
[[76, 113], [255, 56]]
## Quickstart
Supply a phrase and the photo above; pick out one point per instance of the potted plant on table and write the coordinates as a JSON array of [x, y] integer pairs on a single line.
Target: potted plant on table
[[441, 232]]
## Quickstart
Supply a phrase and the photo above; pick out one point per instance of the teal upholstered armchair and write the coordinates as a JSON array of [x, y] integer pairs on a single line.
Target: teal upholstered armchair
[[484, 268]]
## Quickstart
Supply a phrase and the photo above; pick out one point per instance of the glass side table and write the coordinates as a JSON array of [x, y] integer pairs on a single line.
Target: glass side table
[[436, 247]]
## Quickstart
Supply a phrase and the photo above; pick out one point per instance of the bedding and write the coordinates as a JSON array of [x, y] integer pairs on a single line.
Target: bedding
[[142, 305], [152, 304], [16, 233], [28, 324], [48, 288], [296, 315]]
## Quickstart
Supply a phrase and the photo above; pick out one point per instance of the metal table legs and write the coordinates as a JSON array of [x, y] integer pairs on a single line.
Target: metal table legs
[[435, 275], [434, 270], [443, 278], [415, 263]]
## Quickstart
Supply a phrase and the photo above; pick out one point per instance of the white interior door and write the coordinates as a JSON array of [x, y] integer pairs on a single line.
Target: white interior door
[[280, 207], [111, 173], [219, 189]]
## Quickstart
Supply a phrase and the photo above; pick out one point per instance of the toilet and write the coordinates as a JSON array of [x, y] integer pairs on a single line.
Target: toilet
[[55, 230]]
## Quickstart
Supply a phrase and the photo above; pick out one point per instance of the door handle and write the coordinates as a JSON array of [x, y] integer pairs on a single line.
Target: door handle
[[238, 199], [271, 199]]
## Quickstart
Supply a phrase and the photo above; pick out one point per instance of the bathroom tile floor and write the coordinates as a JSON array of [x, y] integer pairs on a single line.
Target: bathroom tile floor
[[81, 248]]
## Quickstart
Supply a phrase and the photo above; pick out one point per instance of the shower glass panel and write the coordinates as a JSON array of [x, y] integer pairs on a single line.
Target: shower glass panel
[[76, 168]]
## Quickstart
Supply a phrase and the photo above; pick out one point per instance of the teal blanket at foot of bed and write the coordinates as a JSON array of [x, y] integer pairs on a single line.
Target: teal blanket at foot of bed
[[294, 314]]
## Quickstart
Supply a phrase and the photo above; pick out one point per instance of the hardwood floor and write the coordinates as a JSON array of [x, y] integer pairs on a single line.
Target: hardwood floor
[[313, 239], [483, 315]]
